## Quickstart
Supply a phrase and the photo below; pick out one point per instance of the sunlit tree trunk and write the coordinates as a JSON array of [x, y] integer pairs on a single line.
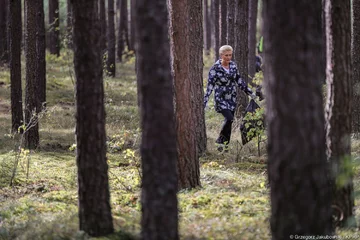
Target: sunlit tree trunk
[[338, 105], [54, 22]]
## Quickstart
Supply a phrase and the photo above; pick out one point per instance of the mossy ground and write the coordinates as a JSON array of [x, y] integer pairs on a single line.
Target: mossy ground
[[232, 203]]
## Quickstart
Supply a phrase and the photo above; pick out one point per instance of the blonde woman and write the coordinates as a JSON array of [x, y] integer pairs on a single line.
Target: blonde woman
[[223, 79]]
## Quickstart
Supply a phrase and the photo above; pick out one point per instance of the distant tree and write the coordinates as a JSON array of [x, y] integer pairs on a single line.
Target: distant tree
[[338, 105], [132, 26], [40, 54], [93, 183], [158, 143], [54, 22], [207, 27], [69, 24], [241, 50], [356, 68], [15, 34], [31, 90], [111, 40], [103, 22], [188, 162], [196, 40], [253, 7], [123, 29], [297, 165], [4, 55], [231, 5], [216, 16], [223, 22]]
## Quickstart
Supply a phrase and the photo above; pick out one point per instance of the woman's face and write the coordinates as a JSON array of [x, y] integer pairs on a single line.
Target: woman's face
[[226, 57]]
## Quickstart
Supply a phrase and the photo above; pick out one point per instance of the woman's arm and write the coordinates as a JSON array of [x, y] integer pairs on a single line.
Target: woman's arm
[[242, 85], [210, 85]]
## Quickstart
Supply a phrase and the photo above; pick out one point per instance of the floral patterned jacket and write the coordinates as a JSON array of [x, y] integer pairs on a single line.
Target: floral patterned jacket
[[224, 86]]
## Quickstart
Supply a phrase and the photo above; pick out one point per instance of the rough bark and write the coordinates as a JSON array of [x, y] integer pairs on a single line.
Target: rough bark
[[4, 51], [196, 71], [111, 40], [31, 93], [253, 5], [338, 105], [158, 145], [188, 162], [40, 54], [15, 34], [297, 165], [54, 31], [241, 51], [356, 68], [93, 184]]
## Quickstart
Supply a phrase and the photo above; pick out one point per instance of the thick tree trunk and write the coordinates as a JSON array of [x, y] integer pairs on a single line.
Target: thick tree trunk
[[40, 57], [338, 105], [54, 22], [111, 40], [15, 33], [158, 145], [356, 68], [231, 5], [196, 71], [93, 184], [295, 120], [241, 51], [4, 54], [216, 17], [188, 162], [31, 93], [253, 6]]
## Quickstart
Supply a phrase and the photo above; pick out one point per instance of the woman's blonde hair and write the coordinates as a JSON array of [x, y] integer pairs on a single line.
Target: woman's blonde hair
[[225, 48]]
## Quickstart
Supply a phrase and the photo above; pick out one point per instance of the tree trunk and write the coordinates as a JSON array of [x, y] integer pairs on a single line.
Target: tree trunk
[[338, 106], [356, 68], [297, 165], [15, 33], [4, 55], [216, 16], [253, 6], [196, 71], [102, 13], [40, 56], [188, 162], [111, 39], [123, 23], [207, 27], [158, 145], [93, 186], [31, 90], [54, 22], [69, 24], [223, 22], [241, 51], [231, 22]]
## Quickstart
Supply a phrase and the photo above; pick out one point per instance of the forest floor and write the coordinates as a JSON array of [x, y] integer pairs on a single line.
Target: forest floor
[[232, 203]]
